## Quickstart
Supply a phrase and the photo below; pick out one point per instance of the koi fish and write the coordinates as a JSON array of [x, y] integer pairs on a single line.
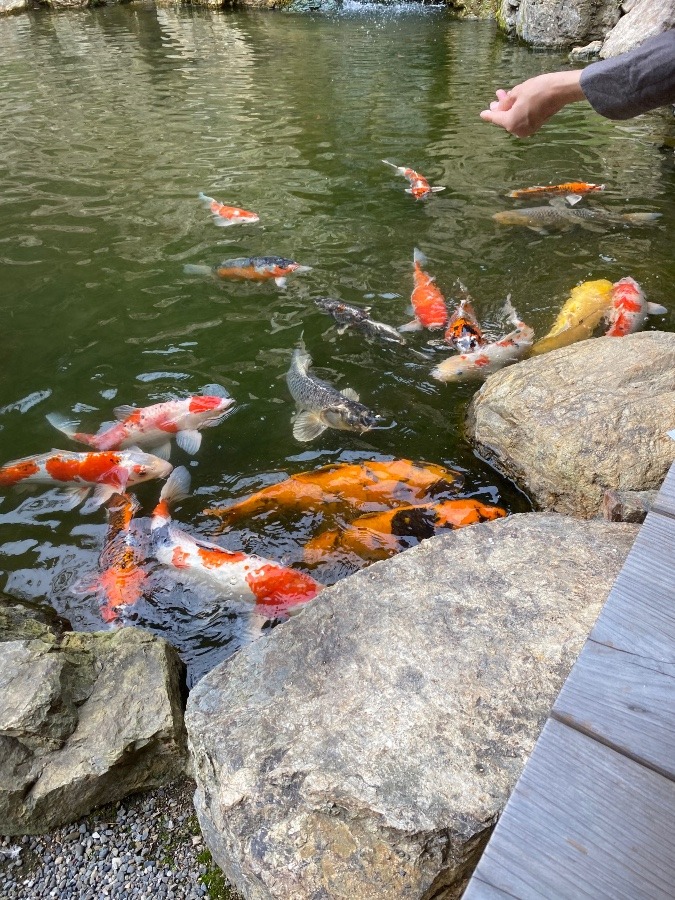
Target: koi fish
[[558, 215], [574, 190], [427, 300], [228, 215], [273, 590], [381, 535], [122, 575], [419, 186], [463, 331], [320, 405], [629, 308], [579, 317], [251, 268], [372, 486], [106, 473], [358, 318], [491, 357], [153, 426]]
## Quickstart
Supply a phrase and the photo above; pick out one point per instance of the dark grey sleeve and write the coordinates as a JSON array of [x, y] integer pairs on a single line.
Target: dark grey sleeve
[[642, 79]]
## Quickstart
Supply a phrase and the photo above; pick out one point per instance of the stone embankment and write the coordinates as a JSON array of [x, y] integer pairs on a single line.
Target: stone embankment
[[367, 747], [570, 425]]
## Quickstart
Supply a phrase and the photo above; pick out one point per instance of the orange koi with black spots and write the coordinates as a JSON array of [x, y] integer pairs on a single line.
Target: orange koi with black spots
[[381, 535]]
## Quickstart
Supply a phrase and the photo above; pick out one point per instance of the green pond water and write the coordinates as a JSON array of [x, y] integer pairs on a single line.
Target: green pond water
[[112, 121]]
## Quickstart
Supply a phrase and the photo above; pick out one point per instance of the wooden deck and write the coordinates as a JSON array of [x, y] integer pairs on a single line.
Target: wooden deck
[[593, 814]]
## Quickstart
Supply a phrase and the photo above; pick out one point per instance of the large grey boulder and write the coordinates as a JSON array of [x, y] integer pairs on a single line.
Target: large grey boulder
[[558, 23], [84, 720], [644, 19], [571, 424], [365, 749], [13, 6]]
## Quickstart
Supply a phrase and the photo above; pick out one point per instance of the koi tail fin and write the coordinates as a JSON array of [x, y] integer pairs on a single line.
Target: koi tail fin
[[419, 257], [177, 487], [641, 218], [197, 270], [69, 428], [510, 312], [206, 201]]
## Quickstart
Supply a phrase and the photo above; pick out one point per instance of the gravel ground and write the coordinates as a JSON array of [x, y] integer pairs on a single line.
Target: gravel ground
[[147, 847]]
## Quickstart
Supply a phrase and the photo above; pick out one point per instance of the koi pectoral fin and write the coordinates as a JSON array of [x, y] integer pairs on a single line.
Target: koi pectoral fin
[[307, 426], [415, 325], [190, 441], [655, 309], [435, 190], [280, 282], [102, 493]]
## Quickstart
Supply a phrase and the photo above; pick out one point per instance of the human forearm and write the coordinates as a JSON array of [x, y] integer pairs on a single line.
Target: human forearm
[[635, 82]]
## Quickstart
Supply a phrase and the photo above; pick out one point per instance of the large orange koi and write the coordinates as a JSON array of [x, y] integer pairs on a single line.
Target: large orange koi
[[366, 487], [121, 561], [228, 215], [427, 300]]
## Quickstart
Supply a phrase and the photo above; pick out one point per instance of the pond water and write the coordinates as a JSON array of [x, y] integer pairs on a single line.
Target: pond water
[[114, 119]]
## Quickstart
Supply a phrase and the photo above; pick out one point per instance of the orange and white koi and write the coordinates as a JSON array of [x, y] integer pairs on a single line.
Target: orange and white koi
[[629, 308], [106, 473], [153, 426], [251, 268], [371, 486], [427, 301], [273, 590], [574, 190], [419, 186], [463, 331], [381, 535], [122, 575], [491, 357], [228, 215]]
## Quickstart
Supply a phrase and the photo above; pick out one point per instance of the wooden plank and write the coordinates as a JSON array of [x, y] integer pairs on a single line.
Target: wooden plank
[[639, 615], [625, 701], [583, 822], [665, 501]]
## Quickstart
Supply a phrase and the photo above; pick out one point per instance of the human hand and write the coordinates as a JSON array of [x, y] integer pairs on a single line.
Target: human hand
[[526, 107]]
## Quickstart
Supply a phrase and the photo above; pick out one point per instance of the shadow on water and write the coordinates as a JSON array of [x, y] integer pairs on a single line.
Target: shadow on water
[[114, 119]]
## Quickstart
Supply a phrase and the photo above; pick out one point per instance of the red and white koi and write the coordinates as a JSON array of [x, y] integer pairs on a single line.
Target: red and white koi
[[491, 357], [273, 590], [122, 575], [629, 308], [228, 215], [251, 268], [153, 427], [427, 301], [419, 186], [105, 473]]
